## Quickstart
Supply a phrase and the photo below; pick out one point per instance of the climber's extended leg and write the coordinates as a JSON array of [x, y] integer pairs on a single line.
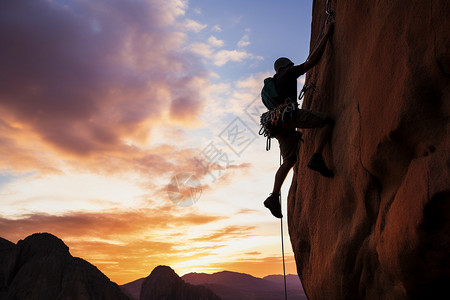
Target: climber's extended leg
[[273, 201], [281, 174], [289, 143]]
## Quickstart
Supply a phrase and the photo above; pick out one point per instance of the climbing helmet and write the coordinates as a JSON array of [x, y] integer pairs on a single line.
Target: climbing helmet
[[282, 62]]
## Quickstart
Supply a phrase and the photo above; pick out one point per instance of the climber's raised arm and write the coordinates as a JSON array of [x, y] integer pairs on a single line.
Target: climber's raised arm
[[317, 52]]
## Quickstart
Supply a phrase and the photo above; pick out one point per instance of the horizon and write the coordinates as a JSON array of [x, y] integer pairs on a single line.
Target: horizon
[[129, 131]]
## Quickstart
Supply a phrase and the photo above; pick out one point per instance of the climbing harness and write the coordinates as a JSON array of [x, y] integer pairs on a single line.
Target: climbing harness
[[269, 120]]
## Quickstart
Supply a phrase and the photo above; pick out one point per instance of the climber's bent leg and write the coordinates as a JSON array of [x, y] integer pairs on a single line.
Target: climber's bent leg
[[323, 135], [312, 119]]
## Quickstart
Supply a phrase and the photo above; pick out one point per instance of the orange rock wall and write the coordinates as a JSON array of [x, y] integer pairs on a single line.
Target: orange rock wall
[[380, 229]]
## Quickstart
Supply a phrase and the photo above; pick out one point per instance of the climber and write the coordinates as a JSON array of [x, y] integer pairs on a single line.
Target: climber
[[288, 139]]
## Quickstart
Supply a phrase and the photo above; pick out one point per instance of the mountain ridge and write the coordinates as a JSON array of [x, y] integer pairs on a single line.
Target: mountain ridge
[[44, 258]]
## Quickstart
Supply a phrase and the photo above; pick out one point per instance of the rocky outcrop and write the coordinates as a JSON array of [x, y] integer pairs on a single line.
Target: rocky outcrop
[[380, 228], [164, 283], [41, 267]]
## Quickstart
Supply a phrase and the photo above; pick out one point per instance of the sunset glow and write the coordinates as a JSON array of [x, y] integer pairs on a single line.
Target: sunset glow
[[102, 103]]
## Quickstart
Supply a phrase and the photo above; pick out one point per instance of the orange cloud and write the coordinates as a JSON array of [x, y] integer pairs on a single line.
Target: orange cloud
[[106, 224], [227, 233], [125, 245]]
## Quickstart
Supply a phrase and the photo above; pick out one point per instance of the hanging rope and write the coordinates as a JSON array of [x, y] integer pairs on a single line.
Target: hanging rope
[[282, 249], [306, 87]]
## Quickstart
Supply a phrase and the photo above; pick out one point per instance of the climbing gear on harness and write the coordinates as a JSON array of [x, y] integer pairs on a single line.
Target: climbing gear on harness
[[273, 204], [316, 163], [269, 121]]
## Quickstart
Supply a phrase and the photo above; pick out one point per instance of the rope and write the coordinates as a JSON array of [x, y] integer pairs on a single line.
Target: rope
[[312, 86], [282, 249]]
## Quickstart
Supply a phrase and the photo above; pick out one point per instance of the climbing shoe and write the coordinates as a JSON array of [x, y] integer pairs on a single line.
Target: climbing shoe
[[273, 204], [316, 163]]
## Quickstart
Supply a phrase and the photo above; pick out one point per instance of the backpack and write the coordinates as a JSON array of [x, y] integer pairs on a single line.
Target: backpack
[[269, 94]]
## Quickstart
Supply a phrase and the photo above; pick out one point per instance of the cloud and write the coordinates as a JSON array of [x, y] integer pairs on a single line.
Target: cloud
[[202, 49], [224, 56], [213, 41], [221, 57], [216, 28], [125, 245], [253, 253], [244, 41], [106, 225], [191, 25], [227, 233], [83, 77]]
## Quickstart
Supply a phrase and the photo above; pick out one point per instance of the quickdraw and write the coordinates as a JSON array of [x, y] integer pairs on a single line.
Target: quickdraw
[[305, 88]]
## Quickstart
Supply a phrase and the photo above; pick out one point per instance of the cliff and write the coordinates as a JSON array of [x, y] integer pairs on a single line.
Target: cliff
[[164, 283], [41, 267], [380, 228]]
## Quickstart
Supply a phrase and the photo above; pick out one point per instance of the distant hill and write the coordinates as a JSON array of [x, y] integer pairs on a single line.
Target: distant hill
[[235, 286], [164, 283], [133, 289], [41, 267]]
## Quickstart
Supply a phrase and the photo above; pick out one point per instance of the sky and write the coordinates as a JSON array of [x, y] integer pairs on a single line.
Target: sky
[[129, 129]]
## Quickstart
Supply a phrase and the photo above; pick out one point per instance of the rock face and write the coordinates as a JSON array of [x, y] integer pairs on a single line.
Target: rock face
[[164, 284], [41, 267], [380, 228]]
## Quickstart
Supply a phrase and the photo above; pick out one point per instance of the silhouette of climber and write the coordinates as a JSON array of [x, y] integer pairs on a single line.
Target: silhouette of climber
[[288, 139]]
